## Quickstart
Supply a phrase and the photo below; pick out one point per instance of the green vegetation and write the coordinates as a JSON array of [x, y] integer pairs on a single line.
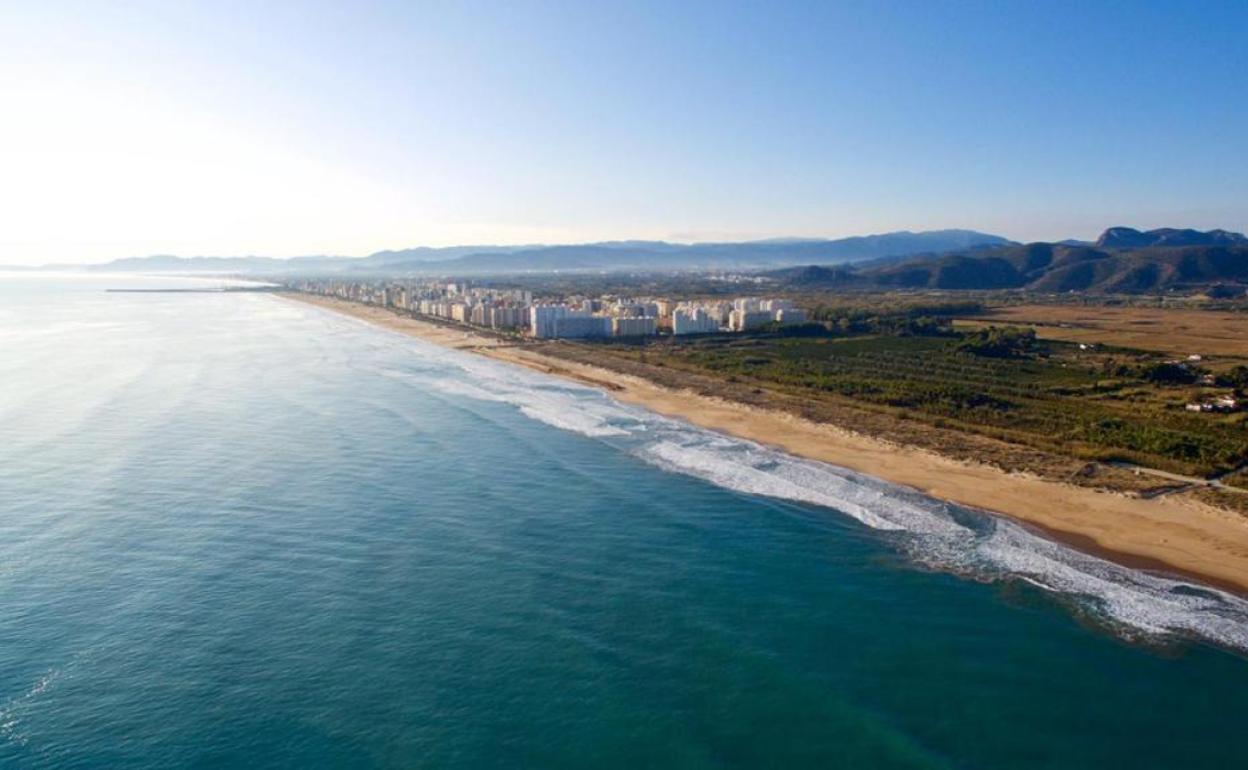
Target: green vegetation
[[1105, 404], [1215, 262], [1169, 372], [998, 342], [898, 315], [1236, 378]]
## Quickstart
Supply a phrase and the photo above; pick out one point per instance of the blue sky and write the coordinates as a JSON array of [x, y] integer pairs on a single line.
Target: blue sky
[[312, 127]]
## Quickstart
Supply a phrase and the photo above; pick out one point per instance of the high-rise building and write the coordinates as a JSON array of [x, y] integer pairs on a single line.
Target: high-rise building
[[581, 325], [634, 327], [742, 321], [693, 321], [542, 319]]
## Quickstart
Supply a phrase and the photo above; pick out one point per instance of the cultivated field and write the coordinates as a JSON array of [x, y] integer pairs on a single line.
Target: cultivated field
[[1101, 404], [1178, 332]]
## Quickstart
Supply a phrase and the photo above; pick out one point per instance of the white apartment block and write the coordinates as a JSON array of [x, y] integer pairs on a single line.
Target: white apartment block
[[542, 319], [745, 320], [505, 317], [693, 321], [583, 325], [635, 327]]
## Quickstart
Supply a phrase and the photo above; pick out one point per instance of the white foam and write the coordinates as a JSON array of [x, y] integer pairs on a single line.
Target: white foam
[[934, 533], [578, 423], [574, 409], [1150, 603], [995, 548], [745, 471]]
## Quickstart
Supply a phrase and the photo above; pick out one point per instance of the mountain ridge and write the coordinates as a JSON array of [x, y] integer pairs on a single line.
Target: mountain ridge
[[1168, 258], [626, 254]]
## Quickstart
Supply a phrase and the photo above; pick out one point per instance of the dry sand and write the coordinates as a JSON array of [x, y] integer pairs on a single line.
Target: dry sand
[[1165, 534]]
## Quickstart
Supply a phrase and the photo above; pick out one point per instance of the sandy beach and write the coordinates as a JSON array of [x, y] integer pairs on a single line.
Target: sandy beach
[[1165, 534]]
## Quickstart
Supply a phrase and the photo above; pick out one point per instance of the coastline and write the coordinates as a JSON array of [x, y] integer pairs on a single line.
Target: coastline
[[1164, 534]]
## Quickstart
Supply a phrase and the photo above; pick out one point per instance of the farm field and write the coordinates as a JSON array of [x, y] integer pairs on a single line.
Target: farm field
[[1173, 331], [1097, 404]]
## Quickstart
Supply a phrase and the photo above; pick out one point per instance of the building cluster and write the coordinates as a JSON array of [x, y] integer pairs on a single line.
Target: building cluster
[[575, 318], [1217, 404], [458, 302], [750, 313], [739, 315]]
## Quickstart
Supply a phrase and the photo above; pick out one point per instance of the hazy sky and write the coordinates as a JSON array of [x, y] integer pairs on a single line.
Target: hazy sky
[[308, 127]]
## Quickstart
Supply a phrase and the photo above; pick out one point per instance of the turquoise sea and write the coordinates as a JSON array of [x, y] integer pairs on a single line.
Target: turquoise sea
[[238, 531]]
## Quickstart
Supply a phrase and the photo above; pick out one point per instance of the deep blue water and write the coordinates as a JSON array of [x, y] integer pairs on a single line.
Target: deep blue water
[[240, 531]]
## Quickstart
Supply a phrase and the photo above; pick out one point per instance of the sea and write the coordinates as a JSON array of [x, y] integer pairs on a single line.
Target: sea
[[241, 531]]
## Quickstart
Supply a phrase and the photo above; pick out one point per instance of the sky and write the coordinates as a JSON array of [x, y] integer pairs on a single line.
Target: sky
[[284, 129]]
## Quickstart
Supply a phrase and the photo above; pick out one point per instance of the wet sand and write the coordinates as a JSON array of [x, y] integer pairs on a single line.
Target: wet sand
[[1165, 534]]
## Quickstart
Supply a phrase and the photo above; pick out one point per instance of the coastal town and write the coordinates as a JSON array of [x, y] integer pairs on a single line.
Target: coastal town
[[515, 311], [658, 385]]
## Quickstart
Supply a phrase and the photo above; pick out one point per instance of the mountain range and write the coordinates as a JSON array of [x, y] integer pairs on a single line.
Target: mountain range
[[1122, 260], [610, 255]]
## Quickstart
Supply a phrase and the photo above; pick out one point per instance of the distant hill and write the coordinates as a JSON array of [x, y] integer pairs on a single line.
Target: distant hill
[[658, 255], [317, 263], [1165, 259], [170, 263], [818, 276], [1129, 238], [609, 255]]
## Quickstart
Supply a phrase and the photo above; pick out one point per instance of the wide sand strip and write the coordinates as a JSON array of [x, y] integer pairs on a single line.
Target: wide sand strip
[[1168, 534]]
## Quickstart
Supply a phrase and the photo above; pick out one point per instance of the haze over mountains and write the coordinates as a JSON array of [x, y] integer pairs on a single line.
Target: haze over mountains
[[611, 255], [1122, 260]]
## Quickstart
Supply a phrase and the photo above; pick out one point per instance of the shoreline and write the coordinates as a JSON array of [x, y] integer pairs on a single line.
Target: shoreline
[[1164, 535]]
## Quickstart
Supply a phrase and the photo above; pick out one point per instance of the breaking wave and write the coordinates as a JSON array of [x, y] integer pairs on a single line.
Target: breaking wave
[[932, 533]]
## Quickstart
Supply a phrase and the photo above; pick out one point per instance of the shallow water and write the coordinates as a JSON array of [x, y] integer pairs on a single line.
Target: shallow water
[[239, 530]]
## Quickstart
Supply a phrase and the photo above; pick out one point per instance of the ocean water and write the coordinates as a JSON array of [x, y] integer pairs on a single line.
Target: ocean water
[[238, 531]]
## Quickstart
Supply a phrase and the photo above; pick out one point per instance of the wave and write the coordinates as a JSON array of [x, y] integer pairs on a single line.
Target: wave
[[932, 533], [975, 543]]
